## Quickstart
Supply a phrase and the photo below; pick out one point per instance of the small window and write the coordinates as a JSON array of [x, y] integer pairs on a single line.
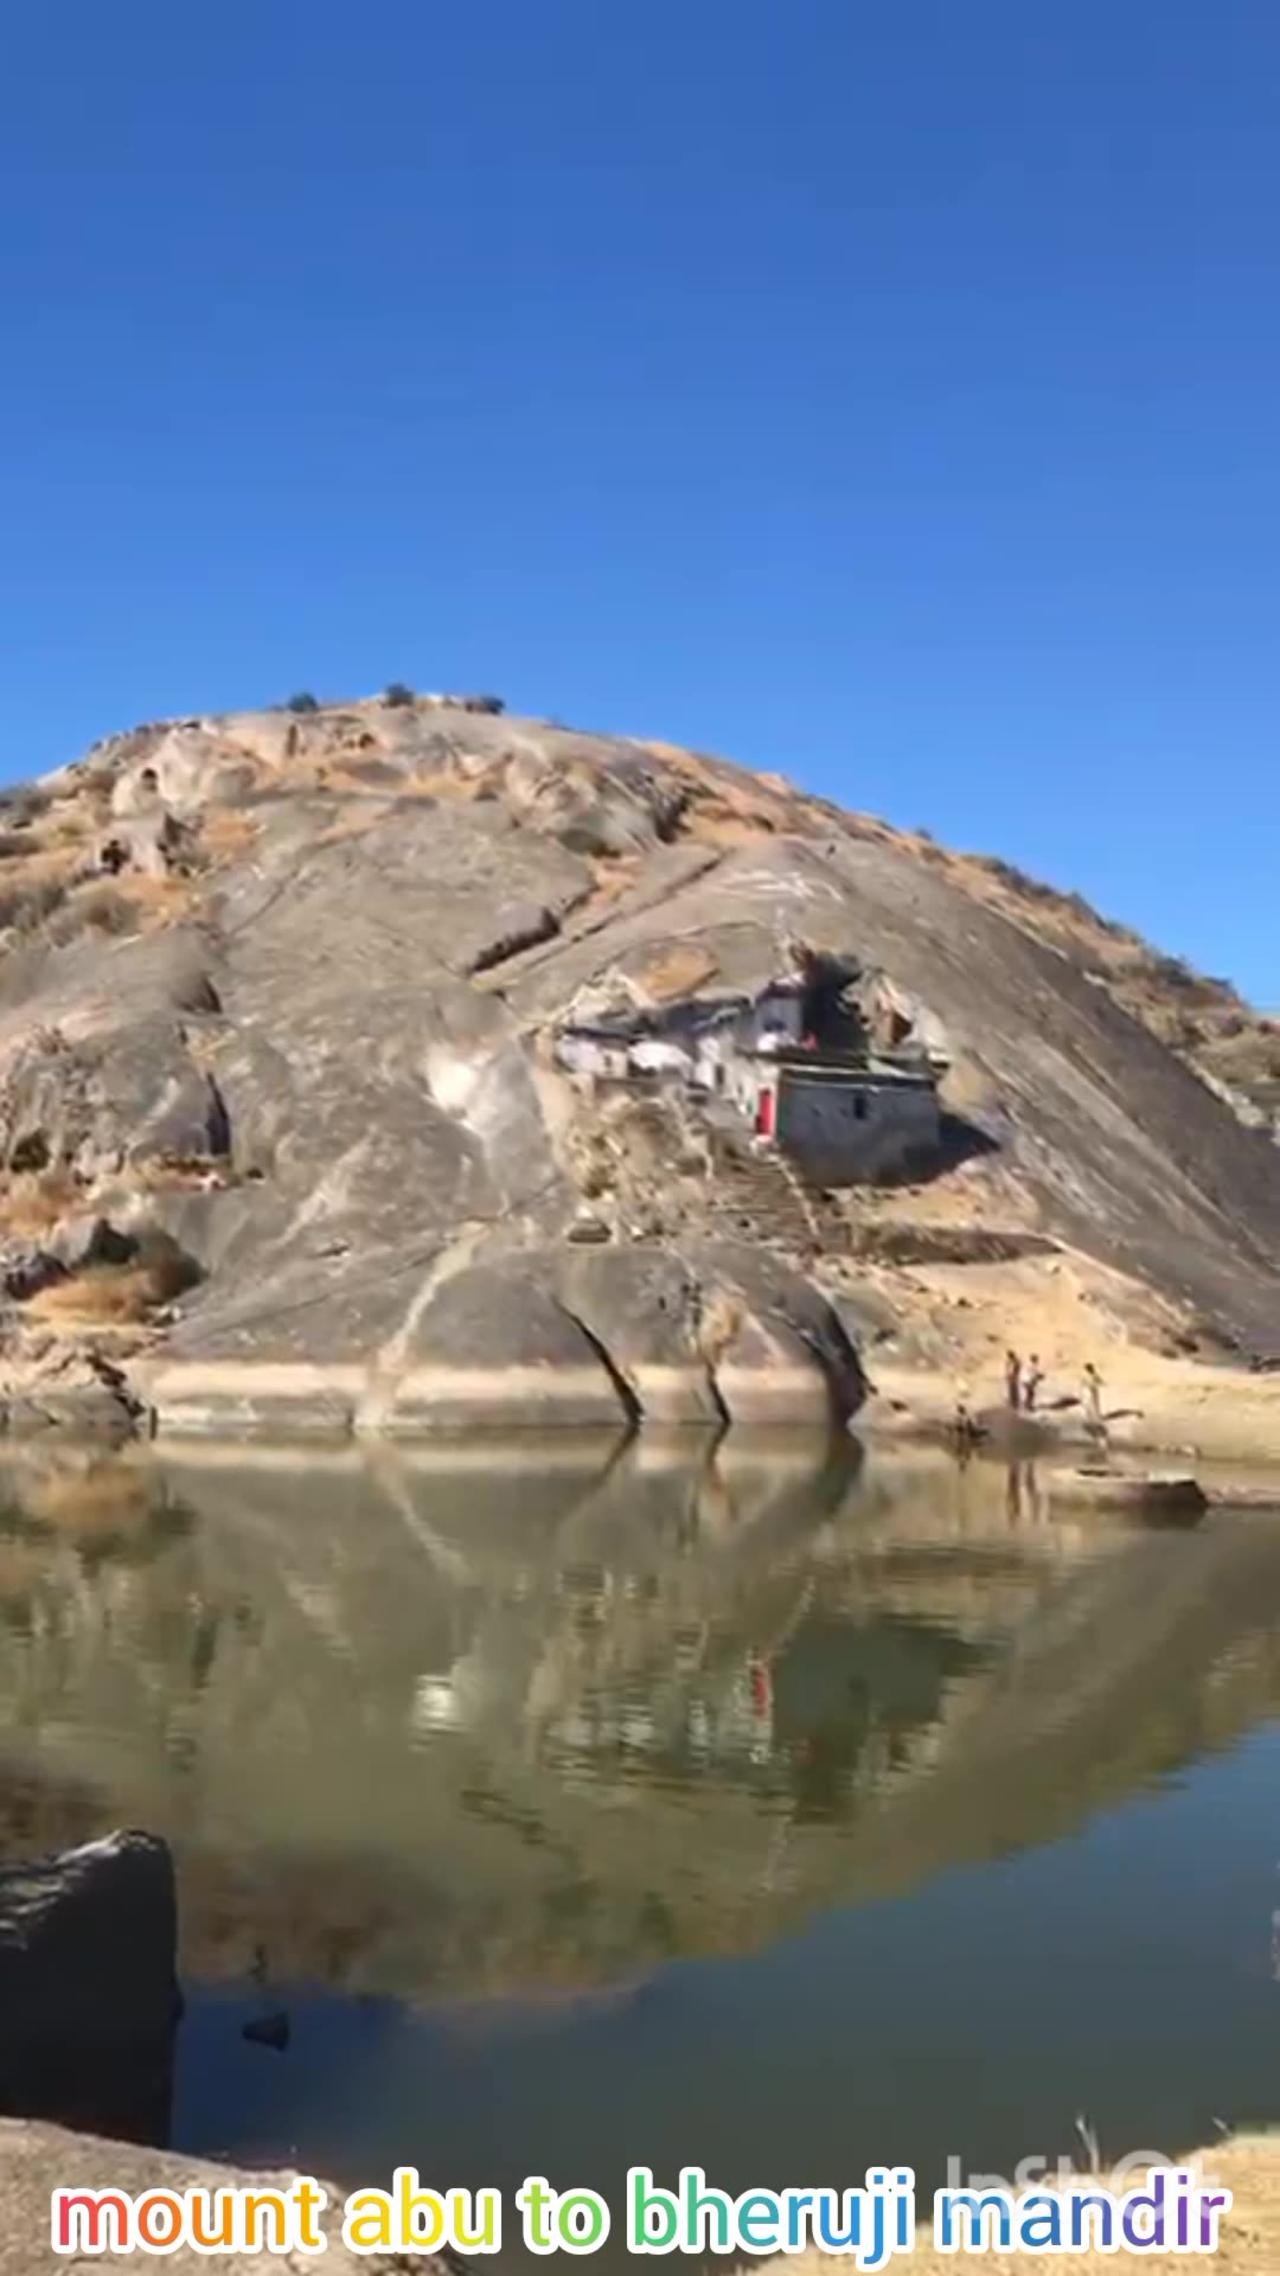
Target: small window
[[861, 1106]]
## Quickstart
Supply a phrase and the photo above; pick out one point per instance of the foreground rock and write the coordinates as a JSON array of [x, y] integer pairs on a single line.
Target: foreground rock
[[36, 2160], [89, 2000]]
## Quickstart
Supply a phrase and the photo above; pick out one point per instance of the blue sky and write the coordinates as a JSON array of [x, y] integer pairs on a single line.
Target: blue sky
[[880, 390]]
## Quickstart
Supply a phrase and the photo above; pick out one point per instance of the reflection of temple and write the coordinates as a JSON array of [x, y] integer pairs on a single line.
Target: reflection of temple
[[438, 1721]]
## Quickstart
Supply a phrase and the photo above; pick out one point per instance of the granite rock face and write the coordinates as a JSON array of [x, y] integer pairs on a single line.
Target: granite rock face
[[88, 1987], [315, 1052]]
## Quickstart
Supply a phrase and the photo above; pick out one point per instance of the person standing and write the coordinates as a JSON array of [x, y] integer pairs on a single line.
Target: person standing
[[964, 1430], [1034, 1378], [1013, 1378], [1092, 1396]]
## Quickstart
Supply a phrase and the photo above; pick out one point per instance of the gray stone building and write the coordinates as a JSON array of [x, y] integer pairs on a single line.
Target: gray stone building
[[848, 1125], [795, 1063]]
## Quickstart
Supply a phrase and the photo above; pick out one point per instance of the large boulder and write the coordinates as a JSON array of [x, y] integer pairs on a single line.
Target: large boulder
[[780, 1352], [89, 1999], [129, 1094], [642, 1305], [549, 1336], [494, 1350]]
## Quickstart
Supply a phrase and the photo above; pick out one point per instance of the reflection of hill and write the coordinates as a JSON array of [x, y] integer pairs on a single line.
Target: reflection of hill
[[424, 1721]]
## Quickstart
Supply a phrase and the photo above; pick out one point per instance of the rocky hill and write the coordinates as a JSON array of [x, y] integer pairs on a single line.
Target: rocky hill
[[286, 1142]]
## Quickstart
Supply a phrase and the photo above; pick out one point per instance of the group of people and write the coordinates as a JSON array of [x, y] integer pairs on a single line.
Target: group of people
[[1023, 1379]]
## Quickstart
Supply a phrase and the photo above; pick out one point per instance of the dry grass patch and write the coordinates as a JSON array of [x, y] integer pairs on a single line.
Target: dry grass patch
[[36, 884], [113, 1295], [104, 1295], [675, 753], [486, 782], [47, 863], [123, 905], [98, 907], [714, 824], [676, 972], [731, 803], [225, 832], [157, 900], [614, 875], [34, 1201]]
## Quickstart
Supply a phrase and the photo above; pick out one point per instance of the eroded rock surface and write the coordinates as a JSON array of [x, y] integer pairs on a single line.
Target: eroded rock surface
[[285, 991]]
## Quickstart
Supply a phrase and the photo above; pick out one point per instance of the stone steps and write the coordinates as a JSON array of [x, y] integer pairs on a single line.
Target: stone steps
[[761, 1197]]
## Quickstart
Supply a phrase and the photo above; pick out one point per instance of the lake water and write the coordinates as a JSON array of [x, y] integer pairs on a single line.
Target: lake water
[[759, 1808]]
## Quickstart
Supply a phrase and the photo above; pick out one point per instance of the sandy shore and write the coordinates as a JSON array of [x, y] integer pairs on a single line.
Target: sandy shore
[[1221, 1417], [958, 1321]]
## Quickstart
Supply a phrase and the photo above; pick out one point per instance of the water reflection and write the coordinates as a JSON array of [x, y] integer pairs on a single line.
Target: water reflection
[[423, 1721], [750, 1806]]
